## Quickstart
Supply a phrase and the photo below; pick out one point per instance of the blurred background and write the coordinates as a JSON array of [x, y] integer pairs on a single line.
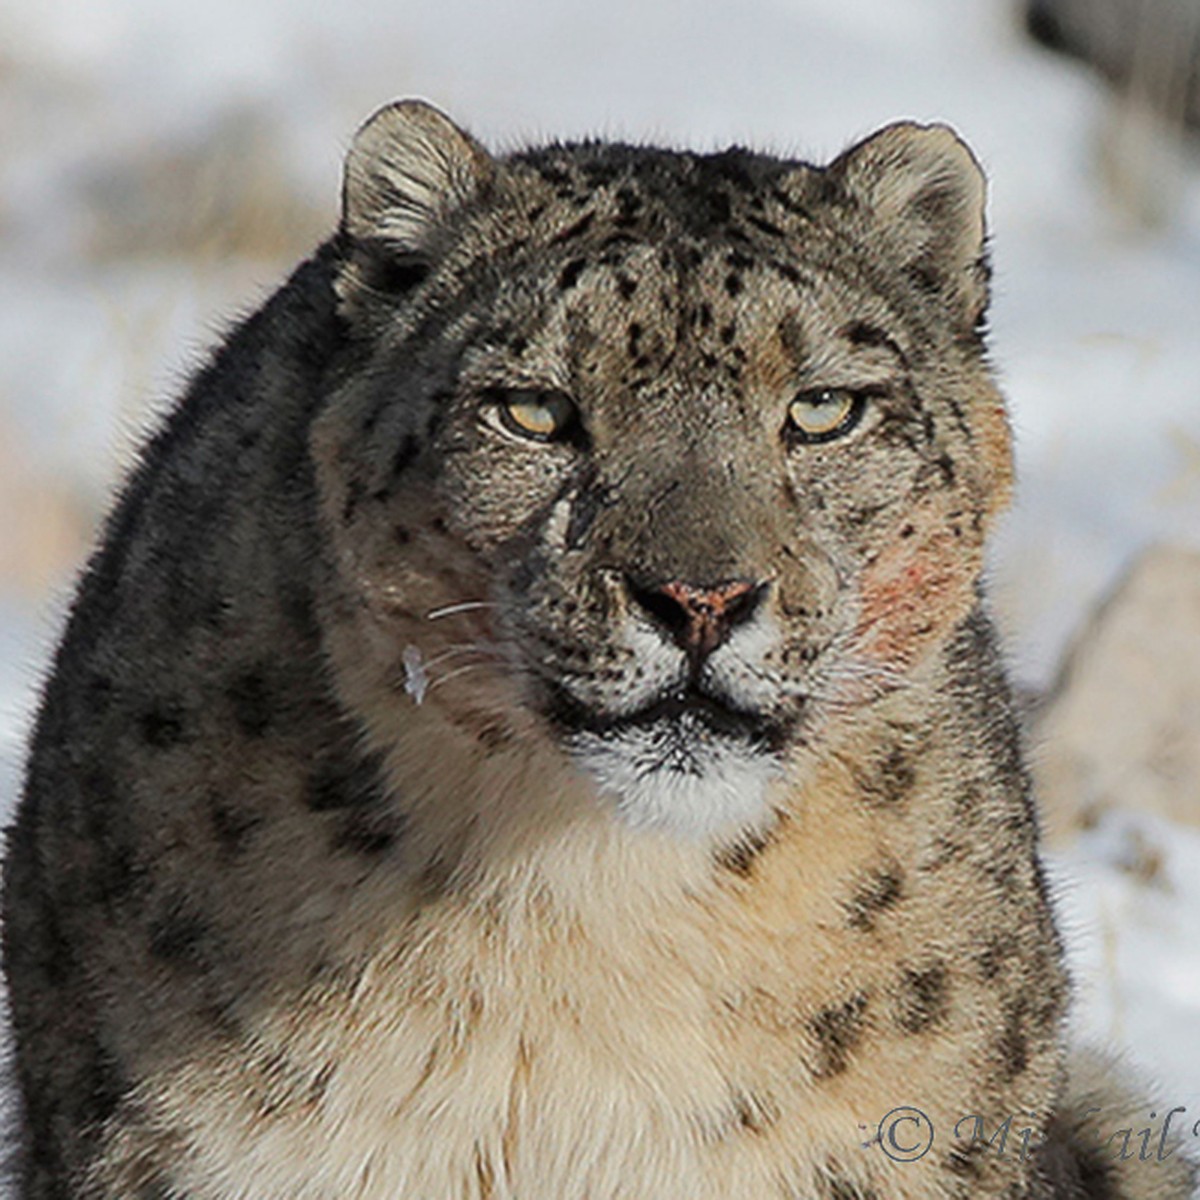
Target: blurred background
[[163, 162]]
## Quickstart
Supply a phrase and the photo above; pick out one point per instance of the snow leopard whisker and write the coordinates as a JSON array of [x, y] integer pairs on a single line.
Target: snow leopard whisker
[[450, 610], [463, 670], [460, 648]]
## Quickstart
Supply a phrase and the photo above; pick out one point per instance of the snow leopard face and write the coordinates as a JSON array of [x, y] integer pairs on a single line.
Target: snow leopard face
[[680, 457]]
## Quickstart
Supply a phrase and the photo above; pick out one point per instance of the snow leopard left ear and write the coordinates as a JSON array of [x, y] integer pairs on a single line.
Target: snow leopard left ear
[[409, 171], [923, 193]]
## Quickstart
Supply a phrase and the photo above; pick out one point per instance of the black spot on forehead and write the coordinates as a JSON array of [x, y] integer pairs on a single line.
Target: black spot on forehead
[[864, 333], [696, 193], [571, 273], [575, 231], [765, 226]]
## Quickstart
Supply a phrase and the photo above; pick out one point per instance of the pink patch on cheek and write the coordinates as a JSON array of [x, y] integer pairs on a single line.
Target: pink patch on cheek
[[912, 593]]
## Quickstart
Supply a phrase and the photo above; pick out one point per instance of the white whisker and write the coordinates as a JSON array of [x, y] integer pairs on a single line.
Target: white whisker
[[448, 610], [475, 666], [459, 648]]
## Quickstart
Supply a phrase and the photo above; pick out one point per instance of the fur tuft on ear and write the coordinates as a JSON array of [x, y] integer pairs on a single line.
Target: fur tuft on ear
[[924, 192], [410, 168]]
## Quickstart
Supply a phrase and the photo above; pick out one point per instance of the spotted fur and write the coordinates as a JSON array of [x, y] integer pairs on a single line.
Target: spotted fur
[[418, 808]]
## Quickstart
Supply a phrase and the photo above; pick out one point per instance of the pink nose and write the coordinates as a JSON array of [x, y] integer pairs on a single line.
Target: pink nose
[[699, 619]]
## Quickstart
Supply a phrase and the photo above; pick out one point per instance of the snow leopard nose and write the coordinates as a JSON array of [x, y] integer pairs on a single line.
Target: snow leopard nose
[[698, 619]]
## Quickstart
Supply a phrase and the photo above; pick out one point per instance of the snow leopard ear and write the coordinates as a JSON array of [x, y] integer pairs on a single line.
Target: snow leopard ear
[[924, 193], [409, 170]]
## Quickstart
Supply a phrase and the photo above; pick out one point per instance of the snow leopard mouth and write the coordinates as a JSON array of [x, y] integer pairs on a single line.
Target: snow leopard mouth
[[678, 715]]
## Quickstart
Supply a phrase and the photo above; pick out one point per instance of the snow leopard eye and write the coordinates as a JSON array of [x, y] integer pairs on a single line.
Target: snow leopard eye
[[822, 414], [541, 416]]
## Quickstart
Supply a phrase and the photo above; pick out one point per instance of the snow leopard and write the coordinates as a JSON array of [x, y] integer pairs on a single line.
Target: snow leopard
[[532, 728]]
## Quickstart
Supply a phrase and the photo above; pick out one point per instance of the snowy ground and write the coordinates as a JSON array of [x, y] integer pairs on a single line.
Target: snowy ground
[[162, 160]]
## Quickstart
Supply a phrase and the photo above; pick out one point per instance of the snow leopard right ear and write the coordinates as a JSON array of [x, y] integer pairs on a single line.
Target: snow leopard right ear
[[409, 170], [923, 194]]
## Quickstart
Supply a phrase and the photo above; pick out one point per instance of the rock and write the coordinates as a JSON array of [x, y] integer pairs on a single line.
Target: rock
[[1148, 47], [1121, 725]]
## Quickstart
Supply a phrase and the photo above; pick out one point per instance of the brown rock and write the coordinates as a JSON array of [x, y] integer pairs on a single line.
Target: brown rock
[[1121, 727]]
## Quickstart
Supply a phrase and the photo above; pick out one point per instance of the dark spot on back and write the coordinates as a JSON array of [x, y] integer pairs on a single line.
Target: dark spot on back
[[406, 454], [832, 1185], [345, 779], [162, 724], [366, 833], [837, 1029], [299, 609], [231, 824], [944, 852], [922, 998], [995, 954], [116, 873], [876, 894], [179, 934], [252, 701], [740, 857], [966, 1161], [892, 780], [1012, 1046], [100, 692]]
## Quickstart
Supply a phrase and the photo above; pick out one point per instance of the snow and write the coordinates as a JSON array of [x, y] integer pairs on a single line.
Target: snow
[[1132, 946], [1095, 320]]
